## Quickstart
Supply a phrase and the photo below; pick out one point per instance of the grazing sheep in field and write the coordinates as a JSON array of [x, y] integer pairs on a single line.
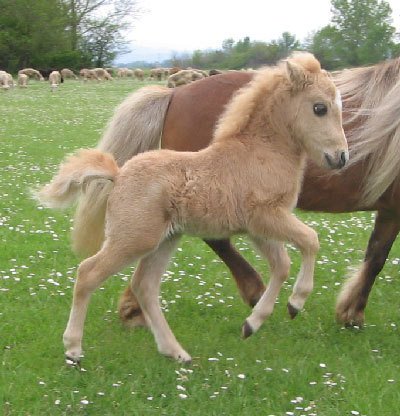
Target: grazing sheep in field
[[68, 73], [102, 74], [10, 80], [125, 72], [121, 73], [156, 74], [32, 73], [23, 80], [112, 71], [54, 80], [139, 74], [185, 76], [4, 80], [88, 74]]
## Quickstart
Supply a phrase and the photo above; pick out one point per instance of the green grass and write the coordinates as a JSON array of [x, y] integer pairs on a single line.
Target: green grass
[[309, 366]]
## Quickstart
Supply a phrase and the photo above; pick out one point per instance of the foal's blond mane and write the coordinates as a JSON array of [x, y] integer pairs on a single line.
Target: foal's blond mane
[[267, 82], [371, 98]]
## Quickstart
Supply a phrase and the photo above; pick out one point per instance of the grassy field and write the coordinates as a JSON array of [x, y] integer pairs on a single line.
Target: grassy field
[[309, 366]]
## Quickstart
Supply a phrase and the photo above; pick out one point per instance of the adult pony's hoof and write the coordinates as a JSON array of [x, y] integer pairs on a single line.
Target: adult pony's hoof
[[350, 318], [129, 310], [292, 310], [247, 330]]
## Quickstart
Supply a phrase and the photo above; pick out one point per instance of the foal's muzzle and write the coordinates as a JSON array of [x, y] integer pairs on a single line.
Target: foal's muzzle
[[338, 160]]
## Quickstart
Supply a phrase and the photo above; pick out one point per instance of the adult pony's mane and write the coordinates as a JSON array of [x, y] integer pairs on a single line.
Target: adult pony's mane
[[371, 101], [267, 82]]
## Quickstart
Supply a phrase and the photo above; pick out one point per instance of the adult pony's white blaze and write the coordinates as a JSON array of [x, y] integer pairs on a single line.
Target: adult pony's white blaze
[[338, 100], [246, 181]]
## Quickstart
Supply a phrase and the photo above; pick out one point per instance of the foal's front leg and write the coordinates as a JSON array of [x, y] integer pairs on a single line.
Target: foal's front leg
[[279, 262], [286, 227]]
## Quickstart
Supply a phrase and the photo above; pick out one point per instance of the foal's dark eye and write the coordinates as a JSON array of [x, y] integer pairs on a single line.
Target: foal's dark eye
[[320, 109]]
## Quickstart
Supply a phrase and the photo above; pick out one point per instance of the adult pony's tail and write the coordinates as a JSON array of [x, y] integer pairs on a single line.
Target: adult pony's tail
[[89, 172], [137, 123], [135, 127]]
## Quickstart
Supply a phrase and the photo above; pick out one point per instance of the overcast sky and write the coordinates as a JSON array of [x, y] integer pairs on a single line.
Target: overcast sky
[[166, 26]]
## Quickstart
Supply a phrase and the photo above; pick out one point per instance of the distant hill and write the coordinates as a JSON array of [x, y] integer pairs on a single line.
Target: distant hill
[[143, 56]]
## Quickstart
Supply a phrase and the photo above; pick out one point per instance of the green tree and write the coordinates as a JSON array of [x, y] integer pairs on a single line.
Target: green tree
[[30, 32], [287, 43], [84, 17], [360, 33], [102, 43]]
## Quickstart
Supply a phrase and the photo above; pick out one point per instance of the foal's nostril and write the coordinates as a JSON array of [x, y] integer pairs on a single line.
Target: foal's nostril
[[338, 161], [343, 158]]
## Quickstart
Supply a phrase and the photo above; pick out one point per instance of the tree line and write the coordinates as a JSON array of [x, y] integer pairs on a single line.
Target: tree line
[[62, 33], [360, 33], [90, 33]]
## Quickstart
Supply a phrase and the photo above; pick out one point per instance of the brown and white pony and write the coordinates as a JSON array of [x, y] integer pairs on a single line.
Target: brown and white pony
[[184, 119], [246, 181]]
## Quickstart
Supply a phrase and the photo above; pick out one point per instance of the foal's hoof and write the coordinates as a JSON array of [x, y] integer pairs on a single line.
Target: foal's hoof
[[247, 330], [292, 310], [182, 357], [73, 362]]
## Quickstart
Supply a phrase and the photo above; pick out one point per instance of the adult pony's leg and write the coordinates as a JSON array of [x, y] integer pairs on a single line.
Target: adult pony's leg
[[285, 227], [146, 286], [92, 272], [353, 298], [129, 310], [249, 282], [279, 262]]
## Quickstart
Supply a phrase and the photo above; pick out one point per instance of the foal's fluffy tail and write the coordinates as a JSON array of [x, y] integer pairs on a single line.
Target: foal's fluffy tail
[[90, 173], [135, 127]]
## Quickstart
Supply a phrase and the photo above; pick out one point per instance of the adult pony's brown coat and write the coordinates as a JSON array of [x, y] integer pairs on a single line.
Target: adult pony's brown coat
[[184, 119], [246, 181]]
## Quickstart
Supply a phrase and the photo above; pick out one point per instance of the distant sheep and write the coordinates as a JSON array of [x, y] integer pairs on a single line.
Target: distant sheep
[[87, 74], [157, 73], [4, 80], [102, 74], [54, 80], [122, 72], [185, 76], [32, 73], [67, 73], [10, 80], [23, 80], [139, 74]]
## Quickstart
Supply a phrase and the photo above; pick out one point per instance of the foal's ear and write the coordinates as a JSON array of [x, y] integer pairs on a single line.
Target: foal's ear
[[296, 75]]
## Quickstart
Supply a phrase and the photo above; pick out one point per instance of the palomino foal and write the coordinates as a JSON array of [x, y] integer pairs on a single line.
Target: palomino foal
[[246, 181]]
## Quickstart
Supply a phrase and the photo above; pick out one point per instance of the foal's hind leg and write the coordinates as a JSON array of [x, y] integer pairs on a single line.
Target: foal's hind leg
[[146, 286], [92, 272], [279, 262]]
